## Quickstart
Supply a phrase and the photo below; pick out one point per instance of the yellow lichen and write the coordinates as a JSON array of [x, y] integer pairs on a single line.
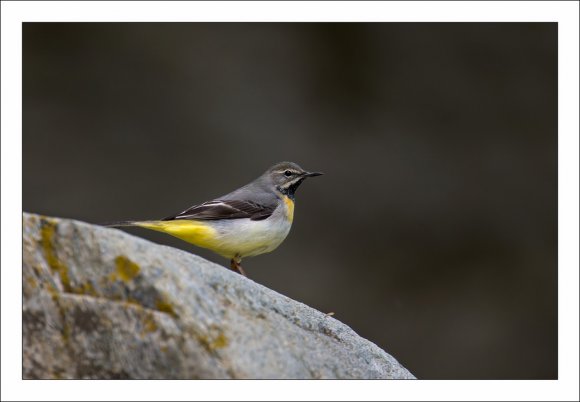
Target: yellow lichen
[[47, 232], [126, 270], [85, 288], [164, 306], [129, 301], [149, 324], [215, 339], [66, 329], [88, 289], [31, 282], [220, 341]]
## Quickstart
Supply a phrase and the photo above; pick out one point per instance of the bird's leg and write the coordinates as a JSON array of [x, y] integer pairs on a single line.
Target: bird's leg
[[235, 265]]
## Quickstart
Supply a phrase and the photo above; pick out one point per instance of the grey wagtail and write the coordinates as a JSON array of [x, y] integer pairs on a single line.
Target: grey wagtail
[[251, 220]]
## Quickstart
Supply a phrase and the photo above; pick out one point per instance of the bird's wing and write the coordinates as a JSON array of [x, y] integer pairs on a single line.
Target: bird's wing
[[225, 209]]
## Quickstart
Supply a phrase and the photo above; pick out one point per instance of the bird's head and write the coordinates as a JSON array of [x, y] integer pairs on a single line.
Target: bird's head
[[287, 176]]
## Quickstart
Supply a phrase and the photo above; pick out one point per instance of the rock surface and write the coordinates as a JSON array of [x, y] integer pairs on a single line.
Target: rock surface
[[99, 303]]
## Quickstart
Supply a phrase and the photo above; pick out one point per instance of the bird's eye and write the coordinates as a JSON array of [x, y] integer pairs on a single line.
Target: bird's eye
[[287, 173]]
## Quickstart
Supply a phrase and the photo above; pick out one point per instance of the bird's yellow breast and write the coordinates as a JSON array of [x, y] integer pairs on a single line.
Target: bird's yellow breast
[[289, 208]]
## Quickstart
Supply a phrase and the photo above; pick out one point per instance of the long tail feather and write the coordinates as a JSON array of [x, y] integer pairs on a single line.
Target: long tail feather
[[119, 224], [191, 231]]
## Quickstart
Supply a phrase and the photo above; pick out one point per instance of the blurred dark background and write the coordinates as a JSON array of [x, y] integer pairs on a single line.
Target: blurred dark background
[[433, 232]]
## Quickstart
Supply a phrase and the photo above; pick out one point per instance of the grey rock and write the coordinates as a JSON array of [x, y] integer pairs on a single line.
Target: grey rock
[[99, 303]]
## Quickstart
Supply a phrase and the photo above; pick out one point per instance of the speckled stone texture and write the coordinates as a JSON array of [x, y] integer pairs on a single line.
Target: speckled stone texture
[[99, 303]]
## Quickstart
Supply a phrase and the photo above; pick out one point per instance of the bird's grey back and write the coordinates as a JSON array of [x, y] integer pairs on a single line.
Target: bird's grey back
[[260, 191]]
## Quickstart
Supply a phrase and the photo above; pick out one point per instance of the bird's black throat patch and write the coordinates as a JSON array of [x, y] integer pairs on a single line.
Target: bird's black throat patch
[[290, 188]]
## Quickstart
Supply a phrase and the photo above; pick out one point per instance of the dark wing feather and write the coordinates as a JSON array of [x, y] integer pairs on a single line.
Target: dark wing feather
[[225, 209]]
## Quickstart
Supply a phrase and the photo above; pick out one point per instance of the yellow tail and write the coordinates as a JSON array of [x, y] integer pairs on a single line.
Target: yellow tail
[[194, 232]]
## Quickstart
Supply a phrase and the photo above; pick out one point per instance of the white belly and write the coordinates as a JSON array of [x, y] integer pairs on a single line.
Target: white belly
[[247, 238]]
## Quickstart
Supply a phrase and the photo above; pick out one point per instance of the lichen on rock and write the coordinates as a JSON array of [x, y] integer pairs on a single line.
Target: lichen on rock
[[100, 303]]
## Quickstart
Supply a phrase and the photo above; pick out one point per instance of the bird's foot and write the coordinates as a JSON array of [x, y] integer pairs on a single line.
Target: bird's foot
[[237, 267]]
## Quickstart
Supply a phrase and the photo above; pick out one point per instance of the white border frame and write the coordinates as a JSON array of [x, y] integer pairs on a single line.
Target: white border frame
[[14, 13]]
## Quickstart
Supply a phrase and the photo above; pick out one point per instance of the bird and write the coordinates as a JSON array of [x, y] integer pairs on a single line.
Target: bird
[[252, 220]]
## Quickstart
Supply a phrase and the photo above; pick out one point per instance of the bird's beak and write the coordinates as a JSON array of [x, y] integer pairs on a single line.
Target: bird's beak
[[312, 174]]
